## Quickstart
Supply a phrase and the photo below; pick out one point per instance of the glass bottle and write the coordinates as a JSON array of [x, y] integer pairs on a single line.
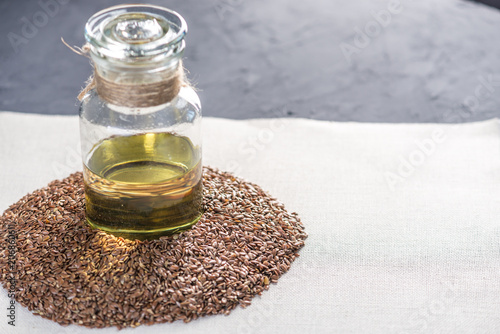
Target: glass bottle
[[140, 133]]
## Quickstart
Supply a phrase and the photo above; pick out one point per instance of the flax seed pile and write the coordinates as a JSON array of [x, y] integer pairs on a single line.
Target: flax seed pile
[[66, 272]]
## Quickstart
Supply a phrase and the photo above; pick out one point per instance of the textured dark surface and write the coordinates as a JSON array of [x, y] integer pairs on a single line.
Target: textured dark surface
[[493, 3], [282, 58]]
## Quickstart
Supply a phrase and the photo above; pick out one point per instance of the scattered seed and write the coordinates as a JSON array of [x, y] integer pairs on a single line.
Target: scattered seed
[[69, 273]]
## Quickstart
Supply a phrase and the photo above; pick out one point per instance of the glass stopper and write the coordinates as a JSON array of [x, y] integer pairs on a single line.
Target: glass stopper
[[138, 30]]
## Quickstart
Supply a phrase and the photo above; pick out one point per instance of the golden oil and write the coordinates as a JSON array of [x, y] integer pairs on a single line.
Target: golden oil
[[143, 186]]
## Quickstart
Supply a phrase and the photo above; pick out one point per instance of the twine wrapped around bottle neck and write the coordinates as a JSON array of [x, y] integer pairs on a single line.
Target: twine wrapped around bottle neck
[[133, 95], [141, 95]]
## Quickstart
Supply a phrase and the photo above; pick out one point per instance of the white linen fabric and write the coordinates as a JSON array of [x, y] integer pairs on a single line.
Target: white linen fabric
[[403, 220]]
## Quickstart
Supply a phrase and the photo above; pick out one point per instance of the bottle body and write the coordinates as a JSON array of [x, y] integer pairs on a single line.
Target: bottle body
[[140, 125], [142, 166]]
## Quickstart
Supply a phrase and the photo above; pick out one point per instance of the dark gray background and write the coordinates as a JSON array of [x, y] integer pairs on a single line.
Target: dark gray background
[[281, 58]]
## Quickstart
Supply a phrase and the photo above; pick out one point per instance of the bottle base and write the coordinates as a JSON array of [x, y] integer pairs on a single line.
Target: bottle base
[[143, 234]]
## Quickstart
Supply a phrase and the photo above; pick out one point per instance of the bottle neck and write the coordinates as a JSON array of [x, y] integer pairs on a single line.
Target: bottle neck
[[136, 73], [138, 85]]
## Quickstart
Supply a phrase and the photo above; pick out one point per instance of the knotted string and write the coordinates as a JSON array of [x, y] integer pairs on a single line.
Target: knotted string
[[133, 95]]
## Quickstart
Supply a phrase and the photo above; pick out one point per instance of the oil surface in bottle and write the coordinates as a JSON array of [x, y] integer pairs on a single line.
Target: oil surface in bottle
[[143, 186]]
